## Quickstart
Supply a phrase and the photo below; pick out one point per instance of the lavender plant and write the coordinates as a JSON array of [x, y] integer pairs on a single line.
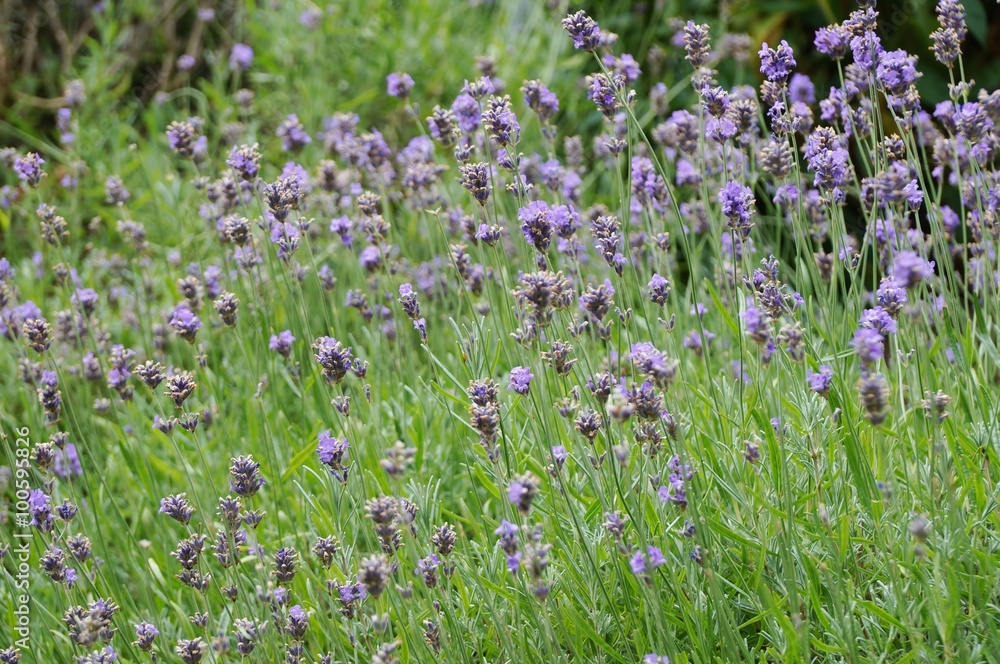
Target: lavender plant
[[719, 386]]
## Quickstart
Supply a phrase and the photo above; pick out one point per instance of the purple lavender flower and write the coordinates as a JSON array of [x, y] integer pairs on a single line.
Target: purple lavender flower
[[184, 322], [756, 325], [29, 168], [475, 178], [399, 84], [408, 300], [370, 258], [244, 476], [298, 622], [896, 185], [67, 462], [285, 236], [947, 40], [427, 568], [333, 357], [245, 160], [240, 57], [520, 380], [75, 93], [292, 134], [739, 372], [910, 268], [720, 130], [607, 234], [311, 18], [951, 15], [211, 278], [489, 235], [879, 320], [696, 340], [375, 572], [821, 381], [522, 492], [500, 121], [184, 138], [565, 220], [891, 296], [674, 490], [776, 63], [874, 392], [658, 290], [642, 564], [648, 186], [832, 41], [442, 126], [179, 387], [715, 101], [598, 301], [177, 507], [297, 173], [696, 43], [801, 89], [583, 30], [144, 635], [737, 203], [603, 91], [508, 536], [351, 594], [540, 99], [467, 113], [86, 299], [867, 49], [896, 71], [120, 369], [830, 161], [39, 507], [64, 123], [536, 224], [480, 88], [506, 530], [281, 343], [625, 66], [343, 226], [868, 346], [653, 364], [333, 452], [191, 651]]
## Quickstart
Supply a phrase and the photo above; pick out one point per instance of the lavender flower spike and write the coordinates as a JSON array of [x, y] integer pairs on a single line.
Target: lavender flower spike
[[584, 31], [776, 63], [520, 380]]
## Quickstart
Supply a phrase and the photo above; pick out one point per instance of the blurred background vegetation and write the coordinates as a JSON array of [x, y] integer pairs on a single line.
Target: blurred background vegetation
[[126, 54], [126, 51]]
